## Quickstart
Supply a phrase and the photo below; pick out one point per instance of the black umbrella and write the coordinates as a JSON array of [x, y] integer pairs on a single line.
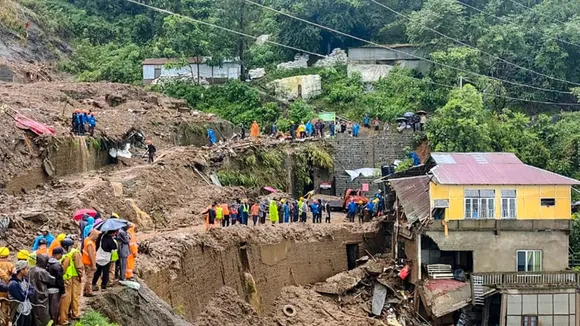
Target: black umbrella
[[401, 119], [112, 224], [408, 114]]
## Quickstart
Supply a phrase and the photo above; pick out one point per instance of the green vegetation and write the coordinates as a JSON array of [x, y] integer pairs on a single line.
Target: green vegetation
[[111, 37], [93, 318]]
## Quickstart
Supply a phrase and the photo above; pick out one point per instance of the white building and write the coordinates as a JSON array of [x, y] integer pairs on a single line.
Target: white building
[[155, 68]]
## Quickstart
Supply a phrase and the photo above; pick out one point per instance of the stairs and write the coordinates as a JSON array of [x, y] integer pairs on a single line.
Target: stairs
[[477, 290]]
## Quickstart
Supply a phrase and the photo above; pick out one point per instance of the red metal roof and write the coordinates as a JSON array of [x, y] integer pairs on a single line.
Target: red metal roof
[[491, 169]]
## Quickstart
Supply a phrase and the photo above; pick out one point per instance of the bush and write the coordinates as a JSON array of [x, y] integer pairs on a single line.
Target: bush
[[93, 318]]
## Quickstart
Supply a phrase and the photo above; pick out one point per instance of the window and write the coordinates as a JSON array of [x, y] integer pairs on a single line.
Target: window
[[508, 203], [479, 203], [529, 320], [157, 72], [529, 260], [548, 202]]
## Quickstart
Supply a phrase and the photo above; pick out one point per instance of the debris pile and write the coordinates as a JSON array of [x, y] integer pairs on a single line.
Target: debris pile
[[228, 309], [335, 58], [373, 290], [300, 61]]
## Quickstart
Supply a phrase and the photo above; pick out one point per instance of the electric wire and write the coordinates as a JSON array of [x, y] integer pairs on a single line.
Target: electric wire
[[473, 47], [323, 56], [402, 52]]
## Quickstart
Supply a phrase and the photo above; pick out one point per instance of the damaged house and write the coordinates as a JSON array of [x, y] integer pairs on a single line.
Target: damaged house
[[486, 238]]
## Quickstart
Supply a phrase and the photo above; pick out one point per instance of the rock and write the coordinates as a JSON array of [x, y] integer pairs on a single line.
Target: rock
[[337, 57], [257, 73], [152, 99], [115, 99], [300, 61], [35, 217]]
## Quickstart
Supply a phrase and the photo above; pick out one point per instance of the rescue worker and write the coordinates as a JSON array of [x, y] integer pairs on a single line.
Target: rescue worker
[[42, 248], [376, 123], [211, 215], [368, 212], [20, 290], [327, 209], [123, 241], [89, 259], [211, 137], [89, 227], [45, 235], [92, 122], [55, 243], [273, 211], [31, 260], [105, 246], [82, 224], [114, 269], [309, 129], [234, 211], [355, 129], [314, 209], [295, 212], [255, 213], [40, 278], [22, 255], [56, 291], [304, 210], [293, 129], [375, 207], [6, 268], [79, 123], [74, 127], [274, 129], [255, 129], [367, 121], [332, 128], [352, 208], [245, 212], [226, 211], [286, 210], [151, 152], [360, 208], [133, 251], [302, 130], [219, 214], [72, 265]]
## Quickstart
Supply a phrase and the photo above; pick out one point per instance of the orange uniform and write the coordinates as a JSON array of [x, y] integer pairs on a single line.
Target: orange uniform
[[90, 263], [255, 210], [42, 250], [55, 243], [133, 250], [255, 130], [6, 268], [226, 209]]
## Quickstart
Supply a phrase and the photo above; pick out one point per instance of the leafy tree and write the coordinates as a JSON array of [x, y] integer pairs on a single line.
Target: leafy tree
[[462, 124]]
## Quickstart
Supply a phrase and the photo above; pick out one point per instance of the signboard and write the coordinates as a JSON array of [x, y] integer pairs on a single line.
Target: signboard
[[327, 116], [365, 187]]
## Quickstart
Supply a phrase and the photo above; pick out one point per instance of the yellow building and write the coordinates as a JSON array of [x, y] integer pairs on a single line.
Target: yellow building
[[497, 186], [504, 224]]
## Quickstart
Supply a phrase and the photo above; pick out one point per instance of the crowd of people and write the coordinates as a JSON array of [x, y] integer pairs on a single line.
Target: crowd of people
[[82, 122], [44, 286], [258, 212], [287, 211]]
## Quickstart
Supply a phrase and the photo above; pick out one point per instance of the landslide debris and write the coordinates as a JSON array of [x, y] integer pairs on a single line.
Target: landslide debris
[[226, 308], [129, 307]]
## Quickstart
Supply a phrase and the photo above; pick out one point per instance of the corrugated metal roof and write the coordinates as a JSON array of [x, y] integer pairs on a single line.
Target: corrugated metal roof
[[491, 169], [162, 61], [413, 195]]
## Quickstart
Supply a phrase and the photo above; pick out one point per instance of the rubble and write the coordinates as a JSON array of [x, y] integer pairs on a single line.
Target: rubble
[[335, 58], [300, 61], [257, 73], [304, 86], [228, 309]]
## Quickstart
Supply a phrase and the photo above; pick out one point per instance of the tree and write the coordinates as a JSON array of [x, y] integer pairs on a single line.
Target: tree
[[462, 124]]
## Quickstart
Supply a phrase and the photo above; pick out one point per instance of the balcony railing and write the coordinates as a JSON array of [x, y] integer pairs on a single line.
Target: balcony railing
[[533, 279]]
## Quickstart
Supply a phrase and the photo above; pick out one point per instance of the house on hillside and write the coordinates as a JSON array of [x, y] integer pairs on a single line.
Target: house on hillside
[[375, 62], [155, 68], [486, 238]]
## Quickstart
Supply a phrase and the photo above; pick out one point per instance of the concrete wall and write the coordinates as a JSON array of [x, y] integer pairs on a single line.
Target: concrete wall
[[366, 152], [306, 86], [497, 253], [371, 72], [555, 307], [228, 70], [527, 200], [203, 270], [77, 155]]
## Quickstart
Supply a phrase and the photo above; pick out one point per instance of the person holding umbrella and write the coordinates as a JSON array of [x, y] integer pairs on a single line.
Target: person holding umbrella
[[105, 245]]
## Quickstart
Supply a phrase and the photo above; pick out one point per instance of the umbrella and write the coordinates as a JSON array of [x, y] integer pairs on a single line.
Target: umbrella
[[78, 215], [408, 114], [270, 189], [401, 119], [421, 112], [112, 224]]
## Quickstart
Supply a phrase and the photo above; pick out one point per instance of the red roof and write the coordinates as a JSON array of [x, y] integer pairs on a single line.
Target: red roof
[[491, 169]]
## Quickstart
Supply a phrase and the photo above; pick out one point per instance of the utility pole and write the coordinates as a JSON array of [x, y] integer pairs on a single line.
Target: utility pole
[[460, 81]]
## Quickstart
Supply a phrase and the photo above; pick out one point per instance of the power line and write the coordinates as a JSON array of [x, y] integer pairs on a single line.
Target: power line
[[267, 41], [473, 47], [402, 52], [322, 56], [505, 20]]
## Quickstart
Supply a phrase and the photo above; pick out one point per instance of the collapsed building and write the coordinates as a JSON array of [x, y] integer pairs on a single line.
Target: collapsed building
[[486, 240]]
